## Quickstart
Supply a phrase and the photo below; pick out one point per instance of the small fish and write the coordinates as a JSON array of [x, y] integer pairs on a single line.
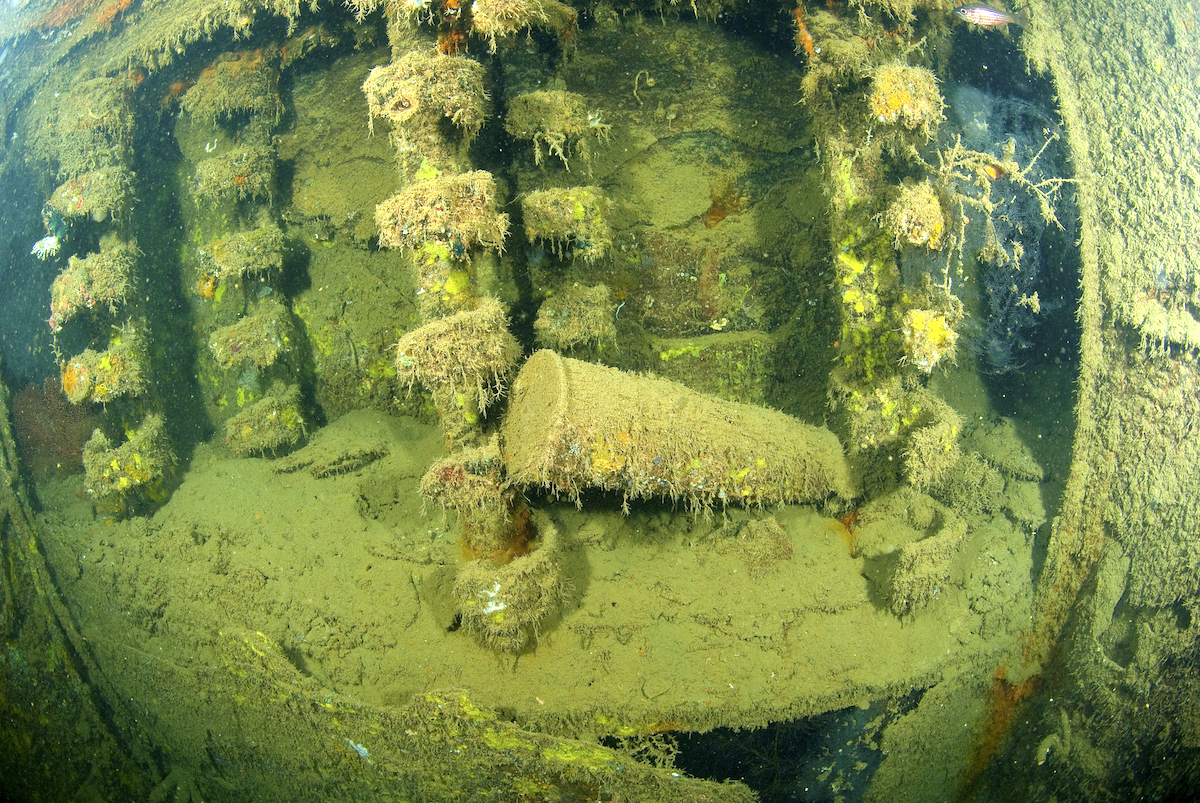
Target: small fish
[[988, 17], [994, 171]]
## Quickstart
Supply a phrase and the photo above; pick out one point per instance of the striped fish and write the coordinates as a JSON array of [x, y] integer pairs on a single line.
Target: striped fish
[[989, 17]]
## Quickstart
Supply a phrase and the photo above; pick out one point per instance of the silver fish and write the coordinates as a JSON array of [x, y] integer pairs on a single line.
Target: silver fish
[[988, 17]]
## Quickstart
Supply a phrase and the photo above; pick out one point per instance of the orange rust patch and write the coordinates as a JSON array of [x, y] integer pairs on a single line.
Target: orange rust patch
[[109, 11]]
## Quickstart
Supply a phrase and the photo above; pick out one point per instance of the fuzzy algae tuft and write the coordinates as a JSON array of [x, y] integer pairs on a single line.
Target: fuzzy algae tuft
[[245, 253], [103, 278], [258, 339], [470, 482], [929, 337], [246, 81], [120, 370], [464, 360], [118, 477], [907, 97], [504, 606], [577, 317], [917, 217], [494, 20], [923, 568], [573, 219], [420, 88], [458, 212], [556, 122], [271, 423]]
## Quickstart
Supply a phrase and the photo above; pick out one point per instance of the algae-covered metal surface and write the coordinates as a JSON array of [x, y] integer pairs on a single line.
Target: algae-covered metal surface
[[1129, 128], [869, 467]]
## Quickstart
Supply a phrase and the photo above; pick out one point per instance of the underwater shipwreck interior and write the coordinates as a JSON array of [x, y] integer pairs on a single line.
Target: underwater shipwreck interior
[[642, 400]]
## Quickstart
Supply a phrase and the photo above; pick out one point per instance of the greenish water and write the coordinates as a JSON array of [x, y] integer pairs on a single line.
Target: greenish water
[[282, 535]]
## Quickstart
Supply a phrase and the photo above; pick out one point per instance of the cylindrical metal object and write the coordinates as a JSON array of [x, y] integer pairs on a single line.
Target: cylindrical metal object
[[572, 425], [505, 606]]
